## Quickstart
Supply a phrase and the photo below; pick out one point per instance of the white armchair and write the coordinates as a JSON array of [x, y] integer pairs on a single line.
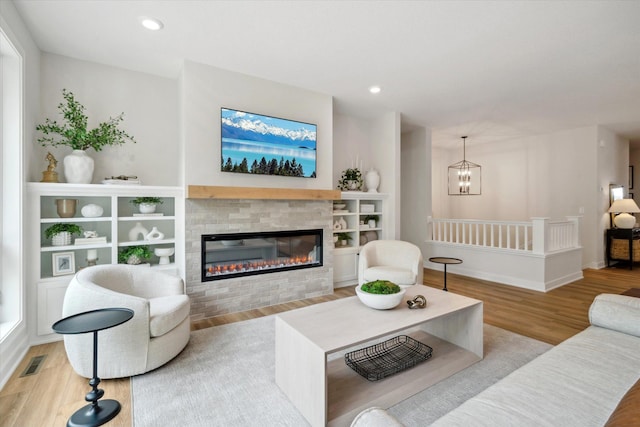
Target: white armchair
[[394, 260], [158, 331]]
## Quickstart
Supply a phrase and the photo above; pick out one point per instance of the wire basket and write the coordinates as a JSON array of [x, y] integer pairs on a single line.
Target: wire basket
[[620, 249], [388, 358]]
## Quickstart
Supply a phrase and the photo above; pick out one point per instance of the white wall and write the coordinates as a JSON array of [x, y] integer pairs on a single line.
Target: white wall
[[551, 175], [416, 189], [205, 89], [14, 344], [150, 106]]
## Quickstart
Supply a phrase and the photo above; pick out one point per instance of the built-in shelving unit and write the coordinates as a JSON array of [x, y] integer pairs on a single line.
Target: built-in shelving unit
[[118, 217], [351, 224]]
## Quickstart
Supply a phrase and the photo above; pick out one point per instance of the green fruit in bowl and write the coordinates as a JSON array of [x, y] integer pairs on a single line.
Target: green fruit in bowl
[[380, 287]]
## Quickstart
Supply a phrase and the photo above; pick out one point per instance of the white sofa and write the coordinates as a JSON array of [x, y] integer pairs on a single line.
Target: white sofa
[[394, 260], [577, 383], [158, 331]]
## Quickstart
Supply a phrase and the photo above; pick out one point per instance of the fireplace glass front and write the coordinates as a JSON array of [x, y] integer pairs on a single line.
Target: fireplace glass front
[[243, 254]]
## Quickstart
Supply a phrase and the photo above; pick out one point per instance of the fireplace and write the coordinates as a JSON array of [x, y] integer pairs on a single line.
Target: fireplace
[[244, 254]]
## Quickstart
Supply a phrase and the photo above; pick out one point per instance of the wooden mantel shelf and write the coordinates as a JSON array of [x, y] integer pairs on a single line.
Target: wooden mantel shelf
[[213, 192]]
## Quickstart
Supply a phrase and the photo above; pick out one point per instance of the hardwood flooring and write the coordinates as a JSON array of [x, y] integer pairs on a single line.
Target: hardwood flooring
[[49, 397]]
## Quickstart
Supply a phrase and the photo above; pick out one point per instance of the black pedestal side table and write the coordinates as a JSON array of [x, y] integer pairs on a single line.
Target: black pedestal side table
[[445, 261], [98, 411]]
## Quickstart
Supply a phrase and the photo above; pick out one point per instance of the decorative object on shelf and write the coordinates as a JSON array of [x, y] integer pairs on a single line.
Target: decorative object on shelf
[[164, 254], [134, 255], [464, 177], [339, 206], [155, 234], [147, 205], [372, 180], [371, 235], [380, 294], [371, 220], [63, 263], [66, 208], [90, 238], [92, 257], [73, 133], [122, 180], [363, 240], [624, 208], [137, 231], [91, 210], [351, 180], [50, 175], [343, 223], [367, 208], [336, 225], [418, 302], [343, 238], [60, 233]]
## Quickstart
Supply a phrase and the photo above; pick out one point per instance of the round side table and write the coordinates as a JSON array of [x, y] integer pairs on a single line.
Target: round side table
[[445, 261], [98, 411]]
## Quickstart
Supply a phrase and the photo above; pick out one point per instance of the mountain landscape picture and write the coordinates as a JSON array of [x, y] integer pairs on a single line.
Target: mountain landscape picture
[[259, 144]]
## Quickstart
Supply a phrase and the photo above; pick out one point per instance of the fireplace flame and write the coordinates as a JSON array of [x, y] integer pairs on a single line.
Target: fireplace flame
[[247, 266]]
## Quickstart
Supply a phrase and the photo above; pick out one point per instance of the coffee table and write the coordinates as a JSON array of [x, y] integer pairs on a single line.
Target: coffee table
[[310, 343]]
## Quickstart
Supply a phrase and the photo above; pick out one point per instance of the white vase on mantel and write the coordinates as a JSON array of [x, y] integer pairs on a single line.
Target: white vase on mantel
[[78, 168], [372, 180]]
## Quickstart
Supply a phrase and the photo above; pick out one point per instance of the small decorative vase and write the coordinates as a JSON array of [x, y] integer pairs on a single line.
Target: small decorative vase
[[147, 208], [372, 180], [372, 223], [154, 234], [61, 239], [78, 168], [66, 208], [136, 231], [164, 254], [343, 223], [352, 185], [134, 260], [91, 211]]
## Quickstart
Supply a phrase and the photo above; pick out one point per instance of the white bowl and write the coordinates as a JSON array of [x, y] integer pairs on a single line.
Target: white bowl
[[380, 301], [338, 206], [164, 251]]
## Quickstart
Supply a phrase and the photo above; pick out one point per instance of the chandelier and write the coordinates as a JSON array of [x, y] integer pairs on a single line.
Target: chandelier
[[465, 178]]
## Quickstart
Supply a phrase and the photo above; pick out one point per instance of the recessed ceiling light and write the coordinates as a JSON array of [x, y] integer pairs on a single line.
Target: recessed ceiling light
[[152, 24], [374, 89]]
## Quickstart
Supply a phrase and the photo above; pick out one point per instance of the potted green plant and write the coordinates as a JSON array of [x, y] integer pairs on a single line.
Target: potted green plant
[[147, 204], [60, 233], [351, 180], [134, 254], [343, 238], [73, 133], [371, 220]]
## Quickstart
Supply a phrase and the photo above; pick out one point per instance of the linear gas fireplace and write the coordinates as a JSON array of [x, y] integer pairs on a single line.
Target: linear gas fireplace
[[244, 254]]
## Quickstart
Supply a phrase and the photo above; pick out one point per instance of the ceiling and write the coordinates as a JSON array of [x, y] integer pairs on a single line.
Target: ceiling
[[492, 70]]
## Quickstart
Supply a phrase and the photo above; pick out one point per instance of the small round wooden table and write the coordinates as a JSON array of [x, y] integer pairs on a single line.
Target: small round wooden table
[[445, 261], [97, 412]]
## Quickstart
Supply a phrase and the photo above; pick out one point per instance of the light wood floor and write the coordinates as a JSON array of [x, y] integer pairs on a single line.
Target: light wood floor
[[49, 397]]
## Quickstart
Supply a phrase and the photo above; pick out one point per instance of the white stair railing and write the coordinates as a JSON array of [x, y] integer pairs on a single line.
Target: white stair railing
[[538, 236]]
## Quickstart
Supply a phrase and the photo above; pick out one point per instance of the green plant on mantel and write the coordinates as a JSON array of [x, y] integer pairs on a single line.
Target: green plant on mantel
[[147, 200], [351, 179], [73, 131], [62, 227]]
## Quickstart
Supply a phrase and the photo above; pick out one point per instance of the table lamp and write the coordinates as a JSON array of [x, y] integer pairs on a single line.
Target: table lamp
[[624, 207]]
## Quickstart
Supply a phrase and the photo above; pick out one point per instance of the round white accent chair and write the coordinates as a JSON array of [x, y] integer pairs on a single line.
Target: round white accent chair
[[398, 261], [158, 331]]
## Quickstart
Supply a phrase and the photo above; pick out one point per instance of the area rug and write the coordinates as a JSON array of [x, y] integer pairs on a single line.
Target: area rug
[[226, 377]]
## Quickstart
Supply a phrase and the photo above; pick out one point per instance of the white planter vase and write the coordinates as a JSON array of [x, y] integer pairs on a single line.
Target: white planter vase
[[372, 180], [137, 231], [78, 168], [61, 239], [146, 208]]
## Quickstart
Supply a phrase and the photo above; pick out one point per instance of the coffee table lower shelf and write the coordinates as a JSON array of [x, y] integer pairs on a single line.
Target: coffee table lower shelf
[[350, 393]]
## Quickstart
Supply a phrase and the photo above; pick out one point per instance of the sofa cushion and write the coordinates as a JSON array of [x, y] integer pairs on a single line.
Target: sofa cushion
[[166, 313], [397, 275], [627, 413], [617, 312]]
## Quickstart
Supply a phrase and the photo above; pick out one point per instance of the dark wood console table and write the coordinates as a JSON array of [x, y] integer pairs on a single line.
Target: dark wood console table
[[628, 234]]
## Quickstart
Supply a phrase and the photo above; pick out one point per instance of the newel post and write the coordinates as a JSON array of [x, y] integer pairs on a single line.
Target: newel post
[[575, 238], [540, 235]]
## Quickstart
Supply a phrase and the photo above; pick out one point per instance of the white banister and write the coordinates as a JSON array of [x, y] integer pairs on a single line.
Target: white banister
[[539, 236]]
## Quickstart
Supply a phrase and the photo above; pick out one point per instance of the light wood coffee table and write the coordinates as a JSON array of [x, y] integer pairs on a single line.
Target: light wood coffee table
[[327, 392]]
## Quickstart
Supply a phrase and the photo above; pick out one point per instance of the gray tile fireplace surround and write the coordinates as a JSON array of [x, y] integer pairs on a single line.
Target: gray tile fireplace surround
[[209, 299]]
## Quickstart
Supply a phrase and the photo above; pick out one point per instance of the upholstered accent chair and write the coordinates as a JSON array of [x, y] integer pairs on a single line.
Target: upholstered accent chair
[[394, 260], [158, 331]]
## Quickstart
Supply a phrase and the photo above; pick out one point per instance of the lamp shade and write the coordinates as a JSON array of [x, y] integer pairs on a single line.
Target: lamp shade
[[624, 205]]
